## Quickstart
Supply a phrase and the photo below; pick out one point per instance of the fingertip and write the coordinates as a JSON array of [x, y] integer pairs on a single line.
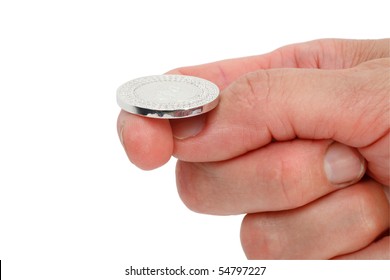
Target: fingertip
[[343, 165], [188, 127], [147, 142]]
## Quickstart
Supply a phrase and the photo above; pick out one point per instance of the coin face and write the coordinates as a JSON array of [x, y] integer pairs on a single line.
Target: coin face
[[168, 96]]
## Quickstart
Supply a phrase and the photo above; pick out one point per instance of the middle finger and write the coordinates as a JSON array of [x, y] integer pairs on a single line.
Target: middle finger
[[282, 175]]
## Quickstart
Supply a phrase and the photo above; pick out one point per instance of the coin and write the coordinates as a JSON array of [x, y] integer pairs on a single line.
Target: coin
[[168, 96]]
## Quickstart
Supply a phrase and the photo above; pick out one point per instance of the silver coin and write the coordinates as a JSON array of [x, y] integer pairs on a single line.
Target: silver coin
[[168, 96]]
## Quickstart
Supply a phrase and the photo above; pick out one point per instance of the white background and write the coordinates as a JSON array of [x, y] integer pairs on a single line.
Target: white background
[[71, 205]]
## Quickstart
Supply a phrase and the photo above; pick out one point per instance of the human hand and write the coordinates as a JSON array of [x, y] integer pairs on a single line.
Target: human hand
[[294, 134]]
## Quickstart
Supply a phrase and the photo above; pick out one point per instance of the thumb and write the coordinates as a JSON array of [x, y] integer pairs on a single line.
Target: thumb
[[348, 106]]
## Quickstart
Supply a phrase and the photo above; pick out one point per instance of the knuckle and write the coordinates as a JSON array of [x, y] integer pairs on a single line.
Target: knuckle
[[267, 95], [290, 186], [258, 239], [368, 95], [372, 215], [191, 186], [185, 182], [250, 90]]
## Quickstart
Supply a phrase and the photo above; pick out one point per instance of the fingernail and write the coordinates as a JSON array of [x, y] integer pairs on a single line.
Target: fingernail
[[343, 165], [190, 127]]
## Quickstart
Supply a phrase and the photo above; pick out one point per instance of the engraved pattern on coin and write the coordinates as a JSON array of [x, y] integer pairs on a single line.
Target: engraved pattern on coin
[[168, 95]]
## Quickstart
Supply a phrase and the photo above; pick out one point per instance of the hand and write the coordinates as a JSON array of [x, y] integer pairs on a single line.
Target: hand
[[299, 141]]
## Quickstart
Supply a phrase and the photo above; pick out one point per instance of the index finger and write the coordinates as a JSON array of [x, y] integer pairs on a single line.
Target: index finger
[[149, 142], [321, 54]]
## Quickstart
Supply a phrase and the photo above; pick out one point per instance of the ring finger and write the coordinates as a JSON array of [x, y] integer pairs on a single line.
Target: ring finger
[[337, 224]]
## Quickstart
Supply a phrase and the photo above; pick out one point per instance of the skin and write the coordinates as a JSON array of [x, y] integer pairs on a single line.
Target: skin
[[262, 150]]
